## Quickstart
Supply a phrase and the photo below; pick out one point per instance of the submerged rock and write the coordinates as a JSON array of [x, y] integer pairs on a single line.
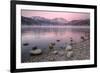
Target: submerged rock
[[53, 44], [36, 52], [71, 40], [25, 44], [58, 40], [34, 48], [82, 38]]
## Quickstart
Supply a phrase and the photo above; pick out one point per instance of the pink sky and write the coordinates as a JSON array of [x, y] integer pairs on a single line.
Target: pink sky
[[51, 14]]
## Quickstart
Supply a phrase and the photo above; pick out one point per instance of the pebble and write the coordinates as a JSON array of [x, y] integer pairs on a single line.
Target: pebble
[[61, 53], [34, 48], [58, 40], [51, 46], [69, 54], [51, 59], [69, 47], [55, 52], [25, 44]]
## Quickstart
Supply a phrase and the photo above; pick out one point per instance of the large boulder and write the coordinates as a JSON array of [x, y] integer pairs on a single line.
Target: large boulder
[[36, 52]]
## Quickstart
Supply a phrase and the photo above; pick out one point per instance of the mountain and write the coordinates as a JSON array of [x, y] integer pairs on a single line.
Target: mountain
[[37, 20], [60, 20], [26, 20], [79, 22]]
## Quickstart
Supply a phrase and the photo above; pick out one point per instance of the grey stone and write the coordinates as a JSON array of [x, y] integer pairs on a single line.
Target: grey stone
[[69, 54], [69, 47], [51, 59], [55, 52], [61, 53], [36, 52]]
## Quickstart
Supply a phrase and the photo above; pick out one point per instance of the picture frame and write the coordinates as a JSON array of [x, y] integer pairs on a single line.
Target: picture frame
[[18, 6]]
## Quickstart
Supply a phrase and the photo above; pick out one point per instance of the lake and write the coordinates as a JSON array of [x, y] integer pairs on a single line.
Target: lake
[[42, 36]]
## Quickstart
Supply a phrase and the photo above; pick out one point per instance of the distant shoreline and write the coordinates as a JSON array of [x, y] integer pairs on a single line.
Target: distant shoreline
[[31, 26]]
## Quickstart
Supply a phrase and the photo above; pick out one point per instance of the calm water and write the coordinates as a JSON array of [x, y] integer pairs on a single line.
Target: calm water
[[43, 36]]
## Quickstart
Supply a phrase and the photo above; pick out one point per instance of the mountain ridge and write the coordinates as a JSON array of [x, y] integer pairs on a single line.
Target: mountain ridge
[[37, 20]]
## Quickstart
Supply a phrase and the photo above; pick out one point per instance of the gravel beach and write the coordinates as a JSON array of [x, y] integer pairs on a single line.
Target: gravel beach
[[79, 51]]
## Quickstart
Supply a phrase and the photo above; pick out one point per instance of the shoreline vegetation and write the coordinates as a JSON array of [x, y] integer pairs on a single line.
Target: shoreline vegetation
[[72, 51]]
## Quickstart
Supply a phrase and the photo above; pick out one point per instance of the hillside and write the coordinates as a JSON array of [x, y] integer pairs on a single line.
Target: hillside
[[37, 20]]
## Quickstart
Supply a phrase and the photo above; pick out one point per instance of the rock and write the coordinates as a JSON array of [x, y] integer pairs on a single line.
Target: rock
[[71, 40], [61, 53], [69, 47], [55, 52], [58, 40], [69, 54], [36, 52], [34, 48], [82, 38], [62, 47], [25, 44], [51, 59], [51, 46]]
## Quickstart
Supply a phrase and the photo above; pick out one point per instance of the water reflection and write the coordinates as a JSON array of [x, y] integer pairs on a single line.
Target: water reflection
[[42, 36], [32, 34]]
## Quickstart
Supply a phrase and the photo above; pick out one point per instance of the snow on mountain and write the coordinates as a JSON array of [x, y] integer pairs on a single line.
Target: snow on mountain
[[37, 20], [61, 20]]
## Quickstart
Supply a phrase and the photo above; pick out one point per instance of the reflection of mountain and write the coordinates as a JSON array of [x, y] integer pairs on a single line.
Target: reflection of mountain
[[37, 20]]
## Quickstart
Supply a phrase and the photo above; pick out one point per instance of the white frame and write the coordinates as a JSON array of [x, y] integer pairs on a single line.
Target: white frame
[[58, 63]]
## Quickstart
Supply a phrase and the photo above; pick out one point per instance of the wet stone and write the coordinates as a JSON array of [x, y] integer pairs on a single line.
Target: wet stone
[[36, 52], [69, 47], [69, 54]]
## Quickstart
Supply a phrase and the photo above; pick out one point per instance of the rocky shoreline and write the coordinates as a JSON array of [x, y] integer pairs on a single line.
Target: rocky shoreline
[[77, 51]]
